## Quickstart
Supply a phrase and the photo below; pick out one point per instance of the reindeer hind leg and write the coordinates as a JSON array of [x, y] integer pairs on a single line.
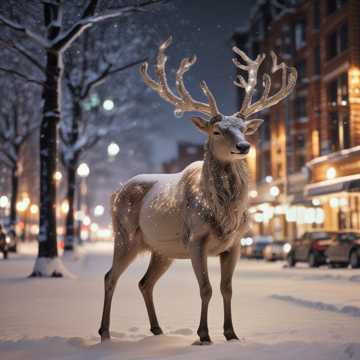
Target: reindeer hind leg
[[124, 253], [157, 267]]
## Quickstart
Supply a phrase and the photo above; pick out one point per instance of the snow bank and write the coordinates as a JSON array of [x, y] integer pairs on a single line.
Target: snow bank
[[347, 309], [172, 347]]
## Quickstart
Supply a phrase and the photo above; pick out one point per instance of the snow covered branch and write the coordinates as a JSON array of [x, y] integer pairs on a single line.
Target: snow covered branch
[[24, 52], [22, 76], [105, 74], [90, 9], [18, 27], [64, 40]]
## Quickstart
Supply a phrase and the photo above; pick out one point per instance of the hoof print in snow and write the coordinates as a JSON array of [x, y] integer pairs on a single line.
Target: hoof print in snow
[[134, 329]]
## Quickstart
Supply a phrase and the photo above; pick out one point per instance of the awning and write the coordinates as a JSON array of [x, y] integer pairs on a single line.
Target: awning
[[345, 184]]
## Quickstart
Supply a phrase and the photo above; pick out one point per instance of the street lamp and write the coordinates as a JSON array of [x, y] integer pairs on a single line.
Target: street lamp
[[331, 173], [4, 202], [113, 149], [58, 176], [108, 105], [274, 191], [253, 194], [99, 210], [83, 170]]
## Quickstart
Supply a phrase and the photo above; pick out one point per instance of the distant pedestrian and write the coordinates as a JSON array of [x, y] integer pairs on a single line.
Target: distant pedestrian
[[3, 244]]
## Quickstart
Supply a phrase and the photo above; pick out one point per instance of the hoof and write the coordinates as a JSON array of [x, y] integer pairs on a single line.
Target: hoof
[[156, 331], [105, 335], [202, 342], [231, 337]]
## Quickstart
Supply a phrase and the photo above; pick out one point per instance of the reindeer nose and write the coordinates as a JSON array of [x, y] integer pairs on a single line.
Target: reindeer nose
[[243, 147]]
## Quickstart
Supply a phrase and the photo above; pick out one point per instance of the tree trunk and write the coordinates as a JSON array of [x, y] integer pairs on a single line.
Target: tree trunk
[[14, 195], [71, 175], [48, 156], [70, 196]]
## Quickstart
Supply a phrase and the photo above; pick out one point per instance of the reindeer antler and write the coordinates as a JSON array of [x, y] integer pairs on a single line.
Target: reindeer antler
[[252, 67], [184, 102]]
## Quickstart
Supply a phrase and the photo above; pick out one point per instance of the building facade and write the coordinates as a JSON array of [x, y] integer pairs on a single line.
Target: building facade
[[187, 153], [307, 163]]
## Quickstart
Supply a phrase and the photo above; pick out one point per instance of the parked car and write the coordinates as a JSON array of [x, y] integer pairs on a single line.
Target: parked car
[[344, 250], [274, 251], [253, 247], [310, 248]]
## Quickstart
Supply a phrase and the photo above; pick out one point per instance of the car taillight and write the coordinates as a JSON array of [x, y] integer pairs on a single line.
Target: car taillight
[[320, 245]]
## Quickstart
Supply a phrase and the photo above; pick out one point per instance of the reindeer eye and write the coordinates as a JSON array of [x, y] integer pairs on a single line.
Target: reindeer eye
[[216, 133]]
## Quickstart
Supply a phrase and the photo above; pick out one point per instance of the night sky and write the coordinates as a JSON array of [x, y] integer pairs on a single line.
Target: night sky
[[204, 28]]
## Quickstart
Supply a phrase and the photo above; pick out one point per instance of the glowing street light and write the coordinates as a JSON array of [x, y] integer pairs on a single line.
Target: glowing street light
[[57, 176], [83, 170], [99, 210], [4, 202], [334, 202], [331, 173], [274, 191], [34, 209], [253, 194], [86, 220], [108, 105], [65, 207], [113, 149], [316, 202], [268, 179]]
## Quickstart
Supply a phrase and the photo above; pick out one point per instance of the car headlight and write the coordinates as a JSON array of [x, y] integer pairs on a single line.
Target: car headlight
[[286, 248]]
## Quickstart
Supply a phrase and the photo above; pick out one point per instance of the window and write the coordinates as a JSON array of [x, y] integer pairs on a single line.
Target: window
[[334, 130], [332, 45], [301, 69], [317, 62], [337, 41], [337, 91], [300, 34], [265, 132], [332, 93], [343, 89], [343, 37], [300, 109], [300, 161], [345, 133], [300, 141], [339, 130], [316, 14], [334, 5], [265, 165]]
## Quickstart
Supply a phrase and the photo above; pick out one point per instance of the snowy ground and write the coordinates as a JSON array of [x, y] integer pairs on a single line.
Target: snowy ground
[[278, 313]]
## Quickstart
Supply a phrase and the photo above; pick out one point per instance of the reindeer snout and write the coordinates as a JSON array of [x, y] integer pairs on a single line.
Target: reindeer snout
[[243, 147]]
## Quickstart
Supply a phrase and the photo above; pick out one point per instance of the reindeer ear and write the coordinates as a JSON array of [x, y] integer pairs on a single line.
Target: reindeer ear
[[200, 123], [252, 126]]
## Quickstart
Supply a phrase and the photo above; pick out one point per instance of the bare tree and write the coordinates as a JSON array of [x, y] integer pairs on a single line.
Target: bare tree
[[86, 70], [18, 121], [56, 39]]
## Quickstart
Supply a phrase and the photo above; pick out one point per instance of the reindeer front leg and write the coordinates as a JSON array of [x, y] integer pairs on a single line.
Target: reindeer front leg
[[199, 262], [228, 261]]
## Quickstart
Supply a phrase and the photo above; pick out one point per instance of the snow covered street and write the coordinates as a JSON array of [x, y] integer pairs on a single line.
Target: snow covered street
[[279, 313]]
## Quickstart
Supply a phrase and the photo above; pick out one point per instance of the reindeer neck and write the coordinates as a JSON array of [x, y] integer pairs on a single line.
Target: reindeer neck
[[225, 186]]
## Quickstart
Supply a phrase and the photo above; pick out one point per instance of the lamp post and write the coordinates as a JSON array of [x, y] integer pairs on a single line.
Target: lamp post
[[83, 172]]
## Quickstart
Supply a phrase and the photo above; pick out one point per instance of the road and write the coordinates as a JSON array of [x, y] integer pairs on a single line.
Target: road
[[310, 313]]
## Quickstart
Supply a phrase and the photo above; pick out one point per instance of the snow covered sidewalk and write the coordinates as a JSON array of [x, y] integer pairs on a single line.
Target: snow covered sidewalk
[[278, 313]]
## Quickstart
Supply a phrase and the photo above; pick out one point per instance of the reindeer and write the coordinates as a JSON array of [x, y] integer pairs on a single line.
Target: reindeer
[[200, 211]]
